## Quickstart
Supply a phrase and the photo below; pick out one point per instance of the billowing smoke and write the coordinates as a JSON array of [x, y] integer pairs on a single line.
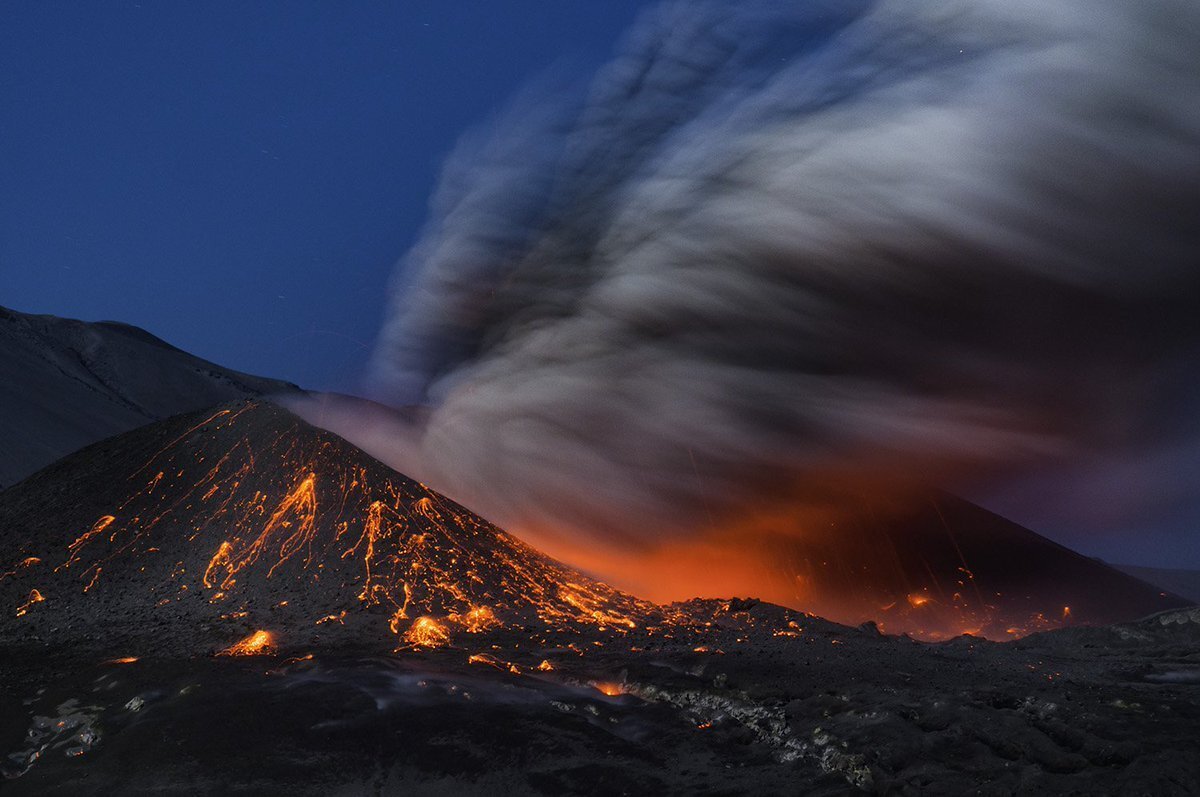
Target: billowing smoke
[[779, 250]]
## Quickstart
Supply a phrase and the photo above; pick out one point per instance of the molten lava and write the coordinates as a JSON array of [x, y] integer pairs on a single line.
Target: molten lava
[[425, 632], [256, 644]]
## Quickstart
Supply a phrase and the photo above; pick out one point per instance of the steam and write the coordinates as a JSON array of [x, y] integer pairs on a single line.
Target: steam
[[781, 250]]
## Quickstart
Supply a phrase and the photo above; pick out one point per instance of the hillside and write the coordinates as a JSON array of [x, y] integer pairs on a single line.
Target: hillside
[[191, 533]]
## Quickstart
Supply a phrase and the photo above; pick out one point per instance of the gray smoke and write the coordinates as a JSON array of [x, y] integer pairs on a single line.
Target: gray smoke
[[778, 250]]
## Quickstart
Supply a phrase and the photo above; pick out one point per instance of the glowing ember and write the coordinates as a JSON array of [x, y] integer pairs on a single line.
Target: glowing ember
[[257, 644], [545, 666], [34, 597], [123, 660], [425, 632], [608, 688]]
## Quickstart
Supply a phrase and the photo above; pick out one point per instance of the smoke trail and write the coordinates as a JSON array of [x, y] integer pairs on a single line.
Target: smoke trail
[[779, 250]]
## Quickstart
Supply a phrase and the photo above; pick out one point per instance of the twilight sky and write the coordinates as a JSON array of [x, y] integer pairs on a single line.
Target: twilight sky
[[241, 178]]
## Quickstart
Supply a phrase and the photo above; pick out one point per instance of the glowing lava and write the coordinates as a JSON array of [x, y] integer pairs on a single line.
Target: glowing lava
[[425, 632], [257, 644], [34, 598]]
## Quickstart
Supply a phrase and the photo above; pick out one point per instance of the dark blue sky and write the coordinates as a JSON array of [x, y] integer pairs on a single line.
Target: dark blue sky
[[240, 178]]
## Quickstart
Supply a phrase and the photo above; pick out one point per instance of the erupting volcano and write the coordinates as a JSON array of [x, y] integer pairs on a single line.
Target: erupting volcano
[[191, 533]]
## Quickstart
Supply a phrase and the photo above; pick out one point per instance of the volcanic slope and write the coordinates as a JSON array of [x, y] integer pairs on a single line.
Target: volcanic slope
[[937, 566], [65, 384], [190, 534]]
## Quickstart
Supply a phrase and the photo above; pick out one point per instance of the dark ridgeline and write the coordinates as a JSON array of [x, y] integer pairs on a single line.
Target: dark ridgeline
[[191, 533]]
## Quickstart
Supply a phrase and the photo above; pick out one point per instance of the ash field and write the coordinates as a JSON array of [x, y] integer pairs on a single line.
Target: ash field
[[234, 601]]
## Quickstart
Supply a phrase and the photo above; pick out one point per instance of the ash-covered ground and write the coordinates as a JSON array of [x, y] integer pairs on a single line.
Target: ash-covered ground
[[762, 701]]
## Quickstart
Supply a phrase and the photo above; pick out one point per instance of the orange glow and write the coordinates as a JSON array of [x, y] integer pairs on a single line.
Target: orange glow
[[589, 607], [608, 688], [34, 597], [545, 666], [477, 620], [425, 632], [339, 618], [743, 559], [123, 660], [257, 644]]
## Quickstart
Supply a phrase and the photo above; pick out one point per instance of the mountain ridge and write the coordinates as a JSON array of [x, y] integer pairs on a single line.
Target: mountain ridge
[[65, 383]]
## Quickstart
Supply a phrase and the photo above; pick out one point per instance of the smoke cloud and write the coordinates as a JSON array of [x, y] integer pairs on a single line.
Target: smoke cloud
[[778, 251]]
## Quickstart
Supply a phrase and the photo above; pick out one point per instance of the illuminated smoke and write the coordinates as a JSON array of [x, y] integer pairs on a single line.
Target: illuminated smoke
[[780, 249]]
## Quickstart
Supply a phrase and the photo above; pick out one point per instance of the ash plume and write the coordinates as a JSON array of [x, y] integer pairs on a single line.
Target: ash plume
[[778, 251]]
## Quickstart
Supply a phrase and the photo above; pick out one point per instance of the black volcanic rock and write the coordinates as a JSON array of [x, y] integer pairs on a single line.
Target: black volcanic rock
[[67, 383], [191, 533]]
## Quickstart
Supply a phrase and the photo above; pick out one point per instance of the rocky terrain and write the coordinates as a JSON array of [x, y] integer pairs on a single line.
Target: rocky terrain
[[762, 701]]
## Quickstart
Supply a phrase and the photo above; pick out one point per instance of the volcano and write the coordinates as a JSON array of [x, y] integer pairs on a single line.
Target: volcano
[[246, 523]]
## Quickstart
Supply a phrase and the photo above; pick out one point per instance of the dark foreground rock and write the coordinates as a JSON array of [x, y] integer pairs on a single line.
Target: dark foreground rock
[[762, 701]]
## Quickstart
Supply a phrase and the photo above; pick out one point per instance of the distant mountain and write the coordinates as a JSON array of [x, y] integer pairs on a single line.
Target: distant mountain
[[66, 383], [190, 533]]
